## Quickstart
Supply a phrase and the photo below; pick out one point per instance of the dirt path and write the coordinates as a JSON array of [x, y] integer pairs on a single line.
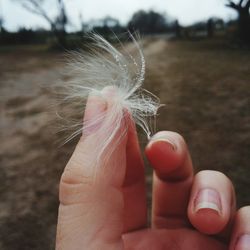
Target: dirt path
[[30, 160]]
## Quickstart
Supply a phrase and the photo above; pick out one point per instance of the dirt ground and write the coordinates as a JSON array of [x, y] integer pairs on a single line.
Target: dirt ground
[[205, 86]]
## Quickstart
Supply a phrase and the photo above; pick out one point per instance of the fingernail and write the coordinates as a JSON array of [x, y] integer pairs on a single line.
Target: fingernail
[[208, 199], [243, 242], [94, 114], [155, 139]]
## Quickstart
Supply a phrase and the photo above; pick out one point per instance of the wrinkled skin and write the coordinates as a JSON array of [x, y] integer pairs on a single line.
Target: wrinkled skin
[[105, 208]]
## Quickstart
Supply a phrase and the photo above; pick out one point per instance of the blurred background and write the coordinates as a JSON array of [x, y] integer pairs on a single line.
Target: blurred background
[[198, 63]]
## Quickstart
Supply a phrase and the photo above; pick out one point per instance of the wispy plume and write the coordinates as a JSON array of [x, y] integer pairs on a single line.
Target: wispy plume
[[102, 66]]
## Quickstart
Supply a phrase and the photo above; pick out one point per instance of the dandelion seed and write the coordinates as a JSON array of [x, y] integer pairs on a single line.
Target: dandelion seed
[[106, 66]]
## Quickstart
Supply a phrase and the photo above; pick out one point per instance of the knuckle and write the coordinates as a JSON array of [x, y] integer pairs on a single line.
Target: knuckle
[[73, 175], [73, 185]]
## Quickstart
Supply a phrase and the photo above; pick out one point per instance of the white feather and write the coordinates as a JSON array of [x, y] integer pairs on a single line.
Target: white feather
[[104, 65]]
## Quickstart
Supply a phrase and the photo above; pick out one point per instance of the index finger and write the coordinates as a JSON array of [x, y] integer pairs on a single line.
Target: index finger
[[173, 175]]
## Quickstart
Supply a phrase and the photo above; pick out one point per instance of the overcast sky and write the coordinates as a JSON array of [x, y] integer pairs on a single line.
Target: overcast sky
[[186, 11]]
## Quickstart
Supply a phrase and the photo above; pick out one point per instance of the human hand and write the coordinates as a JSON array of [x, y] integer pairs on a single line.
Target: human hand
[[189, 211]]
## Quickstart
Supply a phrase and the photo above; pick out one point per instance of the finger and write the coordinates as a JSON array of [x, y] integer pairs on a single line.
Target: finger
[[91, 201], [240, 239], [135, 209], [168, 155], [212, 203]]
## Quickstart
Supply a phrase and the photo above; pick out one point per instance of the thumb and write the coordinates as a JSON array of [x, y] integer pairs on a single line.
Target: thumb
[[91, 202]]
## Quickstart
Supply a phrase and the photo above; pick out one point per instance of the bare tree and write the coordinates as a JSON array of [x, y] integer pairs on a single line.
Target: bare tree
[[57, 24], [243, 9]]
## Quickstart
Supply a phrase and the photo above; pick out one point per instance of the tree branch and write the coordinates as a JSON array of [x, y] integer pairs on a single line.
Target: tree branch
[[233, 5], [247, 5], [30, 9], [37, 9], [57, 24]]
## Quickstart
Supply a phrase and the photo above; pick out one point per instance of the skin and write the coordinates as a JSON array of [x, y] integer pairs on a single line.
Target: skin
[[105, 208]]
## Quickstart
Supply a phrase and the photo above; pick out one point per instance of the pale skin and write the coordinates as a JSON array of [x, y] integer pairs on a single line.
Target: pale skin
[[189, 211]]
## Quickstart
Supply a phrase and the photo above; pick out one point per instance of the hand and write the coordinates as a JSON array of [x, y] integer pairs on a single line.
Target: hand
[[189, 211]]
